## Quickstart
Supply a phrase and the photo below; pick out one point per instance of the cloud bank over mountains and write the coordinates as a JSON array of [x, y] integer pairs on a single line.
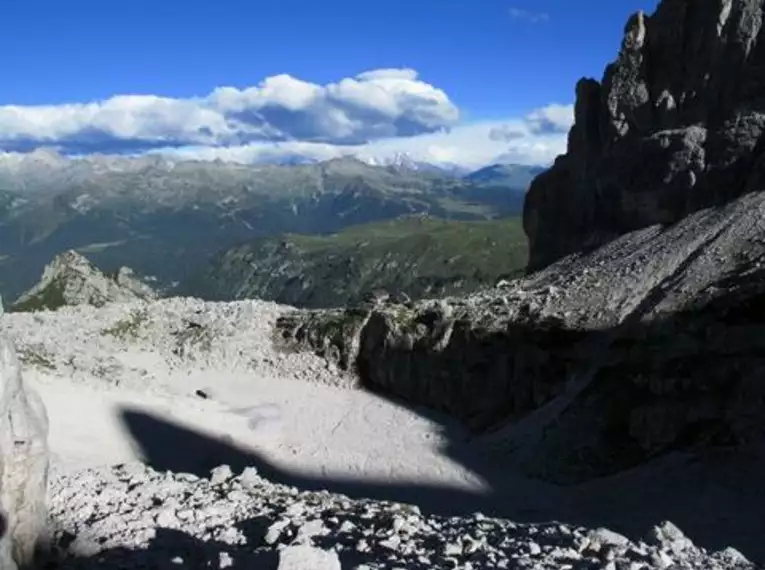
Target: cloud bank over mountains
[[375, 114]]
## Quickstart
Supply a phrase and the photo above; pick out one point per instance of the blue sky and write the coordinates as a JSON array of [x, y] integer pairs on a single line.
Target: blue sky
[[496, 61]]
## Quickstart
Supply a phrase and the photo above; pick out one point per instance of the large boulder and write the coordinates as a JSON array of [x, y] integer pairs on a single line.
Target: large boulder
[[674, 126], [23, 466]]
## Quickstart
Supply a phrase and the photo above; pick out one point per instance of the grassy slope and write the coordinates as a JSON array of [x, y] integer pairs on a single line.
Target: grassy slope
[[441, 247], [415, 255]]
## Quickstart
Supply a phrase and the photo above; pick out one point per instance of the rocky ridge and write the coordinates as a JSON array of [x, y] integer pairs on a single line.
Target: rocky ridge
[[138, 343], [70, 280], [674, 126]]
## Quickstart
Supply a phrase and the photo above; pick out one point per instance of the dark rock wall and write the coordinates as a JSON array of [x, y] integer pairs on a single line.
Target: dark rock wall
[[674, 126]]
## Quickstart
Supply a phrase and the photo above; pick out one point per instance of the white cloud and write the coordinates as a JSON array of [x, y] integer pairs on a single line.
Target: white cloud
[[376, 104], [528, 15], [474, 145], [375, 115], [552, 119]]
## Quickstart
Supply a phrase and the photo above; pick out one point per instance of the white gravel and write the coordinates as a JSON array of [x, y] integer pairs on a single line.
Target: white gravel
[[140, 344], [184, 386], [131, 517]]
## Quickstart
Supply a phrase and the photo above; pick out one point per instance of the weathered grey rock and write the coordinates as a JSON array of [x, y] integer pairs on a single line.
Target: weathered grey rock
[[253, 526], [70, 279], [647, 344], [674, 126], [23, 465]]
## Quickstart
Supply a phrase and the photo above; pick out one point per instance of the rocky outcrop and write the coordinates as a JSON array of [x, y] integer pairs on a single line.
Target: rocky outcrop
[[70, 279], [23, 466], [601, 361], [674, 126]]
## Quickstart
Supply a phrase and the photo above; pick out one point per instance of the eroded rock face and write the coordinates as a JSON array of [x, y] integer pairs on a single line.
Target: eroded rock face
[[649, 344], [70, 279], [674, 126], [23, 465]]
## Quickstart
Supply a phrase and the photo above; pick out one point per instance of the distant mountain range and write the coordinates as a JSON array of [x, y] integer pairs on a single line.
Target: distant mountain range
[[166, 217]]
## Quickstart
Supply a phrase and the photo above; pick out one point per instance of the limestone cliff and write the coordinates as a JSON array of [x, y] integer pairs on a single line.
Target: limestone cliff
[[640, 333], [674, 126], [650, 344]]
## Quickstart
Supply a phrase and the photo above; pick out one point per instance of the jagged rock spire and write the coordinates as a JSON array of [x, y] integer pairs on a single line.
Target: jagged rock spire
[[674, 126]]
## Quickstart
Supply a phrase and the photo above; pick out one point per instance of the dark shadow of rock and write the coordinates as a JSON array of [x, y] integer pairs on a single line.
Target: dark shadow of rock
[[707, 496], [644, 422]]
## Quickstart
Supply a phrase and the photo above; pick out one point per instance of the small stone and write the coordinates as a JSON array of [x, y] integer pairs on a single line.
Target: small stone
[[167, 518], [535, 549], [295, 510], [391, 543], [665, 532], [661, 560], [307, 557], [220, 475], [186, 514], [730, 554], [605, 537], [275, 531], [362, 546], [250, 477]]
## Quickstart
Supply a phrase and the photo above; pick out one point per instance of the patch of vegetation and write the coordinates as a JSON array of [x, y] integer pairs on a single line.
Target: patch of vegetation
[[129, 327], [49, 299], [419, 256], [151, 219]]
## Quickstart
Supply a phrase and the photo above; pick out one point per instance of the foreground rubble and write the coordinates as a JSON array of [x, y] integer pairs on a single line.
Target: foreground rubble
[[133, 517]]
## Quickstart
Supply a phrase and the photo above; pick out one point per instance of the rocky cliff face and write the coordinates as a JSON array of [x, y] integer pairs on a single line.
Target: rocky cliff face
[[70, 279], [644, 336], [595, 364], [674, 126]]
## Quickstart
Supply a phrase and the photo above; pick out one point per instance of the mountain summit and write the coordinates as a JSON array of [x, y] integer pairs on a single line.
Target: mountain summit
[[70, 279], [674, 126]]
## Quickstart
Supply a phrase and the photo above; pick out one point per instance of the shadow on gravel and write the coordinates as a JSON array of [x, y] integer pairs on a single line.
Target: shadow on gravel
[[716, 508], [672, 410]]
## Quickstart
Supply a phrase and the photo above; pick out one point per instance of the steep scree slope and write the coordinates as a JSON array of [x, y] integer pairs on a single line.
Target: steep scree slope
[[645, 340]]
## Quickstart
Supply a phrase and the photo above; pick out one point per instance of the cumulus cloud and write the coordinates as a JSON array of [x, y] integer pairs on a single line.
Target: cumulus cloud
[[376, 115], [551, 119], [519, 140], [383, 103], [528, 15]]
